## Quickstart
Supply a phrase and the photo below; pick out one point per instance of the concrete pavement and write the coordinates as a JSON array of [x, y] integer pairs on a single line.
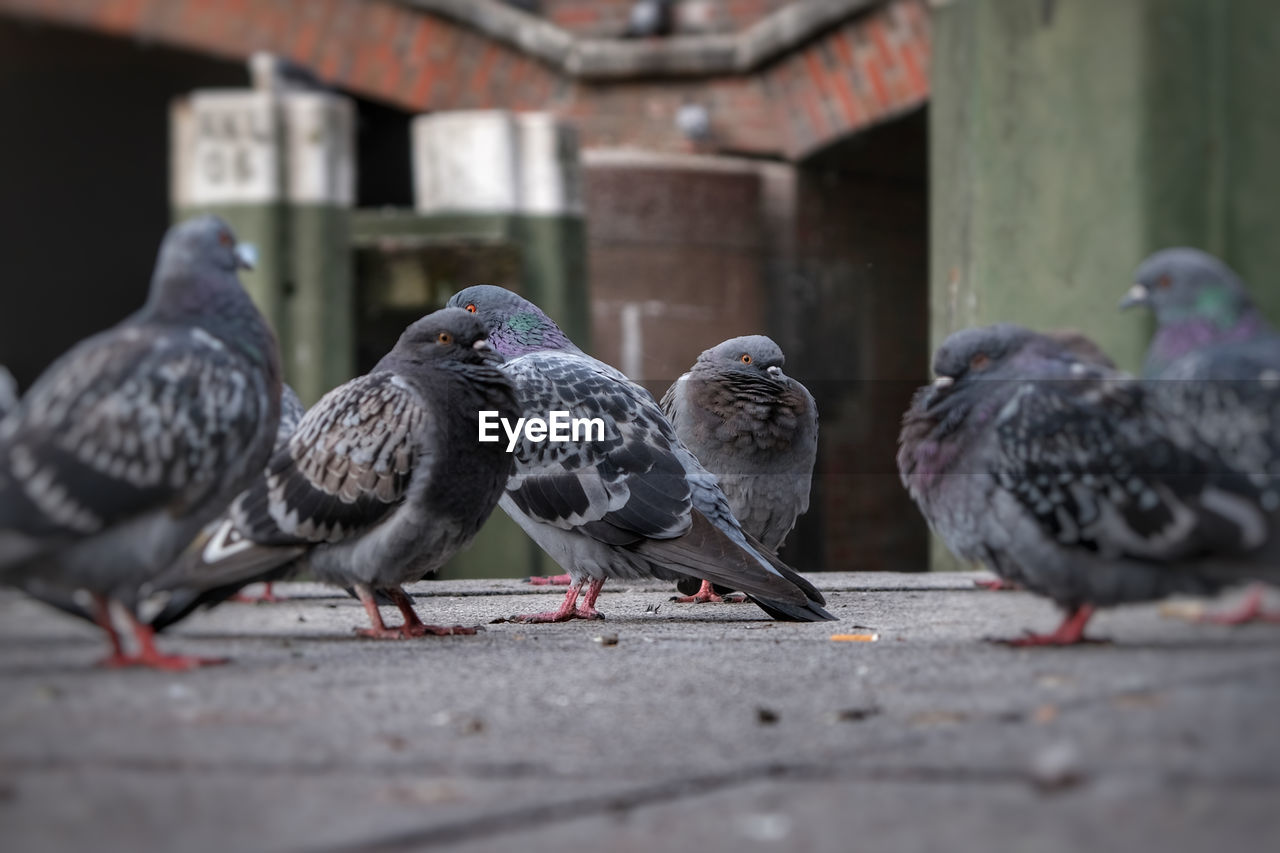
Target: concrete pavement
[[704, 727]]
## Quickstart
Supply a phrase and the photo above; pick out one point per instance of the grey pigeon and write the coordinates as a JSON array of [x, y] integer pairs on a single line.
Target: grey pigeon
[[223, 535], [755, 428], [139, 436], [8, 392], [1075, 480], [1209, 333], [626, 500], [382, 482]]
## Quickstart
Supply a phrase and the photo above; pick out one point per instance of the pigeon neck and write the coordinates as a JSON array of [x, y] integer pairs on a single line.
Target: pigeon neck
[[525, 333], [1195, 331]]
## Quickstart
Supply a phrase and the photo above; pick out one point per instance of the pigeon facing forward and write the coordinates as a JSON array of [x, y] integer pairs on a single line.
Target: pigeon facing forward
[[382, 482], [1075, 480], [627, 500], [139, 436], [755, 428], [1213, 346]]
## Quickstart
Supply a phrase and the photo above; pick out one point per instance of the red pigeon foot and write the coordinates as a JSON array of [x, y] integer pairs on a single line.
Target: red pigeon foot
[[1069, 633], [1249, 610], [264, 597], [553, 580], [569, 608], [707, 594], [997, 585]]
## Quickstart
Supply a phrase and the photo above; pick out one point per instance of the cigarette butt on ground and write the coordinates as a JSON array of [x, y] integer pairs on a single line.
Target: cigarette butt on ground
[[854, 638]]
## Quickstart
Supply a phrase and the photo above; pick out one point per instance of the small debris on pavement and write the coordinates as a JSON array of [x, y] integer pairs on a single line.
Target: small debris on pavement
[[766, 716], [606, 639], [1057, 767], [854, 638]]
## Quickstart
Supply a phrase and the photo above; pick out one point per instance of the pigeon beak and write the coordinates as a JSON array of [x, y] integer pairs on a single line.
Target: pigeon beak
[[481, 344], [943, 381], [774, 371], [246, 256], [1136, 295]]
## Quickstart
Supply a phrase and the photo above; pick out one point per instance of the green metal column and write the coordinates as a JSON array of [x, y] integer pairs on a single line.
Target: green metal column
[[278, 166]]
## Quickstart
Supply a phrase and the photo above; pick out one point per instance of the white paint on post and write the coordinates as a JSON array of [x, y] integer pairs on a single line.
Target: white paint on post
[[632, 320], [234, 136], [321, 156], [494, 161], [228, 148]]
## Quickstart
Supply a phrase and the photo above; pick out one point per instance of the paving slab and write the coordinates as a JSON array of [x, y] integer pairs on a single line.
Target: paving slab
[[702, 725]]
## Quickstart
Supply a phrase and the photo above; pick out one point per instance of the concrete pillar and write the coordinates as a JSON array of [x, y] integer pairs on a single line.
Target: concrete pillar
[[515, 176], [278, 164]]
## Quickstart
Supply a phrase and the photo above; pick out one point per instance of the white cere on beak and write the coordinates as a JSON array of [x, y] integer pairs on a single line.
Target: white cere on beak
[[247, 255], [943, 381], [774, 371], [481, 344]]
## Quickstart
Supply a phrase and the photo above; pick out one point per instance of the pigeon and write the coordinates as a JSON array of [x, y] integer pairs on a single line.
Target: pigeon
[[756, 429], [8, 392], [1075, 480], [139, 436], [1208, 330], [623, 499], [381, 483]]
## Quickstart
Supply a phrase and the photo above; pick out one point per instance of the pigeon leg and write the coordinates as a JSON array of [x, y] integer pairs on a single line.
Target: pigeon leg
[[413, 626], [997, 585], [553, 580], [149, 656], [568, 608], [1069, 633], [102, 618], [1250, 610], [379, 631], [707, 593], [588, 608], [265, 597]]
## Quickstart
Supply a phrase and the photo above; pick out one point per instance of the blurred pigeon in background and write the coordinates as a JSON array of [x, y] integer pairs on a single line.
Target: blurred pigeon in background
[[139, 436], [756, 429], [649, 19], [382, 482], [1075, 480], [1209, 332], [634, 502], [222, 531], [8, 392]]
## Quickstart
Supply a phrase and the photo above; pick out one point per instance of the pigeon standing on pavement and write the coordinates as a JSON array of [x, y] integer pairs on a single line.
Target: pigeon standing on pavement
[[625, 501], [382, 482], [1210, 333], [139, 436], [756, 429], [1075, 480]]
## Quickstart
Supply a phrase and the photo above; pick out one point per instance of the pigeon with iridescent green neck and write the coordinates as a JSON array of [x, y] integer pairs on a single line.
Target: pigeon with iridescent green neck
[[1210, 334]]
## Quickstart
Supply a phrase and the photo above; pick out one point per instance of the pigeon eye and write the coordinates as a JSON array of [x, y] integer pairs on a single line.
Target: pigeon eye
[[471, 307], [444, 338], [1164, 282], [746, 358], [225, 239], [979, 362]]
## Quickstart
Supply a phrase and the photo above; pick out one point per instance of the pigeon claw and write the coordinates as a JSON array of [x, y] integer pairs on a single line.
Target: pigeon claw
[[267, 596], [1069, 633], [1250, 610], [707, 595], [167, 663], [997, 585]]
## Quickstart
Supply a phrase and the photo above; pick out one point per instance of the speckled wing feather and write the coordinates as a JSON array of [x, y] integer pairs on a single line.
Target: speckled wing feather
[[1100, 466], [346, 467], [630, 486], [125, 422]]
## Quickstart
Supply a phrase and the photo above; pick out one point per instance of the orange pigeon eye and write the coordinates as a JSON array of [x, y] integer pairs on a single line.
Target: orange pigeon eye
[[444, 338], [225, 239], [471, 307], [979, 362], [1164, 282], [746, 358]]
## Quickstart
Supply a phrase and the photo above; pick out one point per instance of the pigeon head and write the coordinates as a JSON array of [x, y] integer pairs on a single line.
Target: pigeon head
[[751, 356], [516, 326], [1181, 284], [196, 268], [980, 353], [449, 335]]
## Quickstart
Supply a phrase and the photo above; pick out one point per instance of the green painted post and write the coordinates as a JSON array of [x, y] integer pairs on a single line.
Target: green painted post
[[277, 164], [518, 175]]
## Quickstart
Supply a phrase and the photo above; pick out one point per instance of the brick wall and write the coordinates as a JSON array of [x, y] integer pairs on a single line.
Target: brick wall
[[609, 17], [873, 67]]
